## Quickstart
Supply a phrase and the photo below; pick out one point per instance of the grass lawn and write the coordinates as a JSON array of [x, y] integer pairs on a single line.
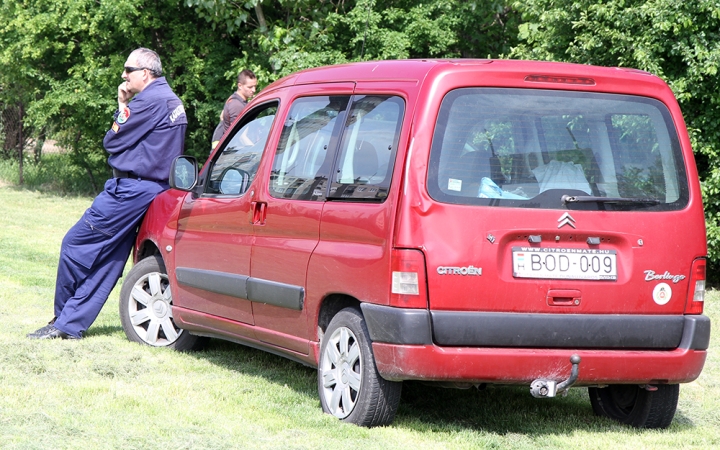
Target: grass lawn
[[105, 392]]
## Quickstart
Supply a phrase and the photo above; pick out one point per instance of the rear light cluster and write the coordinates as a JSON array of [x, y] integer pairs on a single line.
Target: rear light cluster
[[696, 295], [409, 279]]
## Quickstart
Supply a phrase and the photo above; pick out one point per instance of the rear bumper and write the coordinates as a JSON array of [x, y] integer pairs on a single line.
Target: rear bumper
[[518, 348], [522, 366]]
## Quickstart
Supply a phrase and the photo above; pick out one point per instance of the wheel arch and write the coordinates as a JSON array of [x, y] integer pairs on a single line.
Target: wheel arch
[[330, 306], [146, 249]]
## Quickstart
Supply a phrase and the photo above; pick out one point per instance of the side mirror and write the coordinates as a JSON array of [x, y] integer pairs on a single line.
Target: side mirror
[[234, 181], [183, 173]]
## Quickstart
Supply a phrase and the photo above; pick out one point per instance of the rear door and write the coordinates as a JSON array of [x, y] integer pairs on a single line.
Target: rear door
[[552, 201], [356, 232]]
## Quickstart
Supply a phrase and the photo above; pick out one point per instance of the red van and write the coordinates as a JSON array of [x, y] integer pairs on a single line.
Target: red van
[[455, 221]]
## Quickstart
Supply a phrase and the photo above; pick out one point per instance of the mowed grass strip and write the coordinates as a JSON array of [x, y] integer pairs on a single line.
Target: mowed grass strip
[[106, 392]]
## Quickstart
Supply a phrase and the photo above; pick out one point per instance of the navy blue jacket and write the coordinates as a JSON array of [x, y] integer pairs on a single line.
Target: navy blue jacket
[[149, 134]]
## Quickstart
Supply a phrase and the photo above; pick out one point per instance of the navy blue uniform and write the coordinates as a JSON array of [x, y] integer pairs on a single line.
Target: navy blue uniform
[[143, 141]]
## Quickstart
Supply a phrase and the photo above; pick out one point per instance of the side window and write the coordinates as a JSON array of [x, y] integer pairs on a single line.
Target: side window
[[302, 161], [236, 165], [368, 148]]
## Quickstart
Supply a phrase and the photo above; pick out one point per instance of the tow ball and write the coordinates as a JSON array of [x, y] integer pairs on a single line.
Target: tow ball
[[548, 388]]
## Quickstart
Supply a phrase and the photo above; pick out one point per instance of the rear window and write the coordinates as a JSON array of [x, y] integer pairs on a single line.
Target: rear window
[[555, 149]]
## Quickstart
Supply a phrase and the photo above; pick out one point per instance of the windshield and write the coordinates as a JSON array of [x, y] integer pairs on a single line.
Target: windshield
[[556, 149]]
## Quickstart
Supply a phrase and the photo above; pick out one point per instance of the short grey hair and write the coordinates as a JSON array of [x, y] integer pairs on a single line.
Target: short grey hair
[[148, 59]]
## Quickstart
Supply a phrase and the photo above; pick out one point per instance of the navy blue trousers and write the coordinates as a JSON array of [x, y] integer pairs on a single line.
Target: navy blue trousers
[[95, 250]]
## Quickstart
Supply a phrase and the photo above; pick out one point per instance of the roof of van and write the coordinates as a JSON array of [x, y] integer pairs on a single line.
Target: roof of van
[[418, 69]]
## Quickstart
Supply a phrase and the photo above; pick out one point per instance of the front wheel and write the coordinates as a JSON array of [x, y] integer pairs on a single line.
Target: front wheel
[[349, 384], [146, 308], [635, 405]]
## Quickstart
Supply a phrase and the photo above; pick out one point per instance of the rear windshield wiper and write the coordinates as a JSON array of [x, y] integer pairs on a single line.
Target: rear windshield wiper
[[593, 199]]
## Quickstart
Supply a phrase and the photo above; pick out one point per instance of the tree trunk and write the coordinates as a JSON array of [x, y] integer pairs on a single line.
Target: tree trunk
[[260, 17], [21, 143]]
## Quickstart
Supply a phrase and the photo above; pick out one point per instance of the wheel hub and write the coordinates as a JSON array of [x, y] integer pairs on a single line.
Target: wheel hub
[[343, 373], [160, 309]]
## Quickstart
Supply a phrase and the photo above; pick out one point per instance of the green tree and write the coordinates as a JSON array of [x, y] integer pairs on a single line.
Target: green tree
[[278, 37], [63, 60], [674, 39]]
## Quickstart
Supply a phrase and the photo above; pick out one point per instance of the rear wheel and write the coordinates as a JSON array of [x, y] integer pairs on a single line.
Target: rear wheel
[[635, 405], [146, 308], [349, 384]]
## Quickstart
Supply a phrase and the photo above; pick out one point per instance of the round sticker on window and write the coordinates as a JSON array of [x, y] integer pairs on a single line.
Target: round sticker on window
[[662, 293]]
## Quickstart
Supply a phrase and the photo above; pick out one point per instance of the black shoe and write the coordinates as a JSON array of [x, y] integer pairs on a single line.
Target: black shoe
[[51, 333], [42, 330]]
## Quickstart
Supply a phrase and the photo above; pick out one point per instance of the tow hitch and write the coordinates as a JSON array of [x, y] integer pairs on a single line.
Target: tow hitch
[[548, 388]]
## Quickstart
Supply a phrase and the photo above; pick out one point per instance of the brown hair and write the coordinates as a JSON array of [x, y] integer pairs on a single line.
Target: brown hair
[[244, 75]]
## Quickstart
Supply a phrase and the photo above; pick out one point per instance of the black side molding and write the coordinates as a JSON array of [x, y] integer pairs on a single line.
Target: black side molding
[[213, 281], [244, 287], [274, 293]]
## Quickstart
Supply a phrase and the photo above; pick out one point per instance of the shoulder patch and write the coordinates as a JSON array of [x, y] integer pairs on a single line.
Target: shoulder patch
[[177, 112], [124, 115], [115, 127]]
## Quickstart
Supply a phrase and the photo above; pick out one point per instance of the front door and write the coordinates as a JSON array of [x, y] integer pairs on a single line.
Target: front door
[[215, 230]]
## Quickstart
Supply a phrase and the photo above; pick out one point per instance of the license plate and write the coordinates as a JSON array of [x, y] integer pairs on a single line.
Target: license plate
[[564, 263]]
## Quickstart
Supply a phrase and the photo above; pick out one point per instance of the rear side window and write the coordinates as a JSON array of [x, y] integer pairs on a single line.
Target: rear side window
[[303, 157], [350, 140], [555, 149], [368, 148]]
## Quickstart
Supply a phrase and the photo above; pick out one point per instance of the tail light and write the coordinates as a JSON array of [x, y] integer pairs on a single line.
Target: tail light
[[560, 79], [409, 279], [696, 294]]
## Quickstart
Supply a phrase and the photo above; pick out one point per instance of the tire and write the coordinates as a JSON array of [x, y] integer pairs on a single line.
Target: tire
[[349, 384], [146, 308], [634, 405]]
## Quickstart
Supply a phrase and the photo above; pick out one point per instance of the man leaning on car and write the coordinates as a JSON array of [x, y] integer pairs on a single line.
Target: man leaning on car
[[146, 136]]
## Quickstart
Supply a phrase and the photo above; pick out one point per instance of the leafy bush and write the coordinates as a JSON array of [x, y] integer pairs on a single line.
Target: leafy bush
[[678, 41], [54, 173]]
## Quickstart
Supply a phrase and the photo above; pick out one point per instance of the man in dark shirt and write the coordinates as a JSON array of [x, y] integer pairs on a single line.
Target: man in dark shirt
[[146, 136], [246, 85]]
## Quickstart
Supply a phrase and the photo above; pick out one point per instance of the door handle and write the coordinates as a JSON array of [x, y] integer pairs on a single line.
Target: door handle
[[564, 297], [258, 213]]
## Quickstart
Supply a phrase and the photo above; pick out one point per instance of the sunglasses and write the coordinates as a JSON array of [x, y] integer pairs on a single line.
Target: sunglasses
[[130, 69]]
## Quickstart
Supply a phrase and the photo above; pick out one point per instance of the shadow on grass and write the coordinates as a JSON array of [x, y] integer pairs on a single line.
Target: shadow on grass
[[424, 407], [506, 410], [103, 330], [254, 362]]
